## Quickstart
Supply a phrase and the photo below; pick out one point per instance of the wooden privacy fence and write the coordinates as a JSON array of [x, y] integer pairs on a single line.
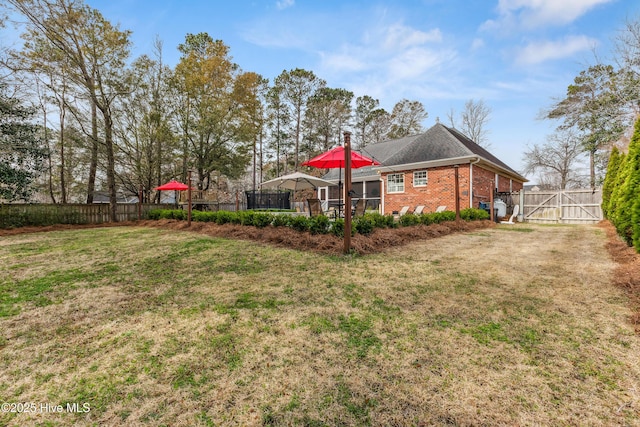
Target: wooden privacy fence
[[20, 215], [564, 207]]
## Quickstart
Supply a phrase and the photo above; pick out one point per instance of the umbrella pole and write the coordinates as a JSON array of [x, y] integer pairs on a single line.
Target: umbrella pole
[[347, 192], [339, 189]]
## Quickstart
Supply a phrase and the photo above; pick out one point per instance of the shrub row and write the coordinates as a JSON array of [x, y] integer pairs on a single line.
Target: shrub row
[[318, 224], [621, 191]]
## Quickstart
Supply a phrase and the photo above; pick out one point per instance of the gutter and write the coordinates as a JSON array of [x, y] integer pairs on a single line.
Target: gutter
[[427, 164]]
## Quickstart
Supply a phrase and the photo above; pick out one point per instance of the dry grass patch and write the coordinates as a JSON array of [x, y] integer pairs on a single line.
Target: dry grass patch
[[506, 325]]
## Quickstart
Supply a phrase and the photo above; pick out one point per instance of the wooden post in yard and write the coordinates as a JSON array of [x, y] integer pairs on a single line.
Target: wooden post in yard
[[457, 192], [189, 198], [347, 192], [140, 203]]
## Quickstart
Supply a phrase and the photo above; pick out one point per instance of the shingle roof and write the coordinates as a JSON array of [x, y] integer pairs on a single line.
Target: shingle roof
[[438, 143]]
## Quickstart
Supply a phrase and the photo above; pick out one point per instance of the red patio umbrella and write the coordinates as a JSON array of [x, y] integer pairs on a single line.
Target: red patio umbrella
[[172, 185], [335, 158]]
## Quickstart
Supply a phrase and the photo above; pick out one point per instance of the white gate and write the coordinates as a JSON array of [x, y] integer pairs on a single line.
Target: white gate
[[566, 207]]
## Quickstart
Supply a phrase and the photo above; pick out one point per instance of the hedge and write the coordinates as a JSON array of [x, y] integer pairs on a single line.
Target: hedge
[[364, 225], [621, 191]]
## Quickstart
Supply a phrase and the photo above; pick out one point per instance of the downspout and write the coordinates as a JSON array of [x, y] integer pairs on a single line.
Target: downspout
[[471, 180]]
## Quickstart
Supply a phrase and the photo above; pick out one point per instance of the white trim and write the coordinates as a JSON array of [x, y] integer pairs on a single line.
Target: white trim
[[426, 178], [403, 183], [382, 193]]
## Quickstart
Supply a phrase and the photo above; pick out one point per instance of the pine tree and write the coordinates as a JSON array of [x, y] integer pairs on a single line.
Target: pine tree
[[630, 189], [635, 216], [610, 179]]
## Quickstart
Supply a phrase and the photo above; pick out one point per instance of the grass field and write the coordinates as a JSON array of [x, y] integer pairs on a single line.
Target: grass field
[[503, 326]]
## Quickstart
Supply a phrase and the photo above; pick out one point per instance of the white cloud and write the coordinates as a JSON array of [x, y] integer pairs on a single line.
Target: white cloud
[[538, 52], [477, 44], [399, 49], [415, 62], [529, 14], [400, 36], [283, 4], [343, 61]]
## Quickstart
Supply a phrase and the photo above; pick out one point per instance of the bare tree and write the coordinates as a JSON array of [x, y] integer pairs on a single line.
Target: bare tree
[[555, 161], [473, 121], [627, 48]]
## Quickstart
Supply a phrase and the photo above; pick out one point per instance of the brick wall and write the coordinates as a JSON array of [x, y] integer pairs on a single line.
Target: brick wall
[[439, 190], [483, 185]]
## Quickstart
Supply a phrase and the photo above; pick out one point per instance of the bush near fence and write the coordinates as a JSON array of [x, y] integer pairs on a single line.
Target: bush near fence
[[25, 215], [622, 191], [319, 224]]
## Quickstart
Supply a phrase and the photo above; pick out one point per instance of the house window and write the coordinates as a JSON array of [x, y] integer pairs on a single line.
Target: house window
[[395, 183], [420, 179]]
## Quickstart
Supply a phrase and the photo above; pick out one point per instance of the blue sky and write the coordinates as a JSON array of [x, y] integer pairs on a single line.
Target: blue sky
[[516, 55]]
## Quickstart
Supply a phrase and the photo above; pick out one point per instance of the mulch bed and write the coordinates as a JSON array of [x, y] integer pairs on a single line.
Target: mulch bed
[[378, 241], [627, 271], [285, 237]]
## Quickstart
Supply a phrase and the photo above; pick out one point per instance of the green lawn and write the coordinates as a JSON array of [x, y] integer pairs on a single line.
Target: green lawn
[[156, 327]]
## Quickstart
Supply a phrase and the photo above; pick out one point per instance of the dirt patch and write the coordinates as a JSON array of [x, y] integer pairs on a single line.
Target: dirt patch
[[378, 241], [627, 272]]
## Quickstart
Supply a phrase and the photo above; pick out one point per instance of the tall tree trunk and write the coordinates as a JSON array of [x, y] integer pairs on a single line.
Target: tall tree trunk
[[93, 166], [255, 161], [185, 148], [46, 138], [261, 155], [63, 182], [297, 140], [592, 169], [111, 170], [278, 146]]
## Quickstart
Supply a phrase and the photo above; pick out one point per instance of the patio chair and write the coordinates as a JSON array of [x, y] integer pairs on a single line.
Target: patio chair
[[516, 209], [397, 215], [360, 208], [315, 207], [418, 210], [441, 209]]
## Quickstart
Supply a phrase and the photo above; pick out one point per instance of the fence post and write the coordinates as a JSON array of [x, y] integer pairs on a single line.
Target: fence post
[[521, 213]]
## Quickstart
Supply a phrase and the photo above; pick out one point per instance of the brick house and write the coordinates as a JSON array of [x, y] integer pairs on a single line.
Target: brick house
[[420, 170]]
